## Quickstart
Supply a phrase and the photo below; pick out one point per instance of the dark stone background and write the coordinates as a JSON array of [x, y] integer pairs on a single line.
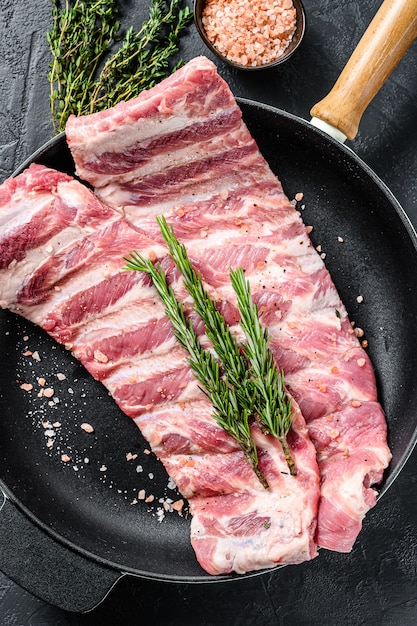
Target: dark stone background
[[376, 584]]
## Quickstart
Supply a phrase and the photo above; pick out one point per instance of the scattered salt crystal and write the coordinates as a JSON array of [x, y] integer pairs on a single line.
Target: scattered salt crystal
[[100, 357], [178, 506], [26, 387], [103, 468], [87, 428], [65, 458], [299, 196], [359, 299], [139, 469], [35, 355], [60, 376], [141, 494]]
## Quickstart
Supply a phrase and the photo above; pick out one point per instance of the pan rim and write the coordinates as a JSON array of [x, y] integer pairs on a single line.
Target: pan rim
[[123, 570]]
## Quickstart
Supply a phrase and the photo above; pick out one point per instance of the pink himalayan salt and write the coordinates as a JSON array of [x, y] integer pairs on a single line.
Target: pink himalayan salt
[[250, 32]]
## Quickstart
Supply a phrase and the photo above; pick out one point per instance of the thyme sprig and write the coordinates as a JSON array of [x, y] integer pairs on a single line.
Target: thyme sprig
[[228, 412], [83, 34], [144, 57], [244, 381]]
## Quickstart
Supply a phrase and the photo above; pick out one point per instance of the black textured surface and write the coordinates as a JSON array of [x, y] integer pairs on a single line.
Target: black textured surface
[[376, 583]]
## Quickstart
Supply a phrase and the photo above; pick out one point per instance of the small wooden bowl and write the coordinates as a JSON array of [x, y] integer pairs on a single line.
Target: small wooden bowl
[[292, 47]]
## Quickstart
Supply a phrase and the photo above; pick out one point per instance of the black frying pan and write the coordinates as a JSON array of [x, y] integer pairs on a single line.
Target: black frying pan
[[79, 515]]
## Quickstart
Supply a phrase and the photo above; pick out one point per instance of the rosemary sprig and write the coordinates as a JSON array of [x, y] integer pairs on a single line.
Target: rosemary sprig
[[273, 406], [82, 35], [260, 387], [225, 344], [245, 382], [228, 412]]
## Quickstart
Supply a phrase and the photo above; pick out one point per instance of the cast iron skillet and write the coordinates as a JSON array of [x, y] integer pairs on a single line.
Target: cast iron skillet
[[79, 516]]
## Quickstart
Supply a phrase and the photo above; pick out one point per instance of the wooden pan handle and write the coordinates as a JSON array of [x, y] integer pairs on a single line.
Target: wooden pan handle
[[386, 40]]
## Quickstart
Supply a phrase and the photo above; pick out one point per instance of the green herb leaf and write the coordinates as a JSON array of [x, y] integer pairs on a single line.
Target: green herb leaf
[[85, 76]]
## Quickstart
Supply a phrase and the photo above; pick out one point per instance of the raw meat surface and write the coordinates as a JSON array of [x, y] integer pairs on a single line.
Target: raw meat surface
[[182, 150], [66, 277]]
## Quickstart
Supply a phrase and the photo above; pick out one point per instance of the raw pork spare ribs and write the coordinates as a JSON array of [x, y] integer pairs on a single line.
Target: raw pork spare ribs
[[182, 150], [60, 267]]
